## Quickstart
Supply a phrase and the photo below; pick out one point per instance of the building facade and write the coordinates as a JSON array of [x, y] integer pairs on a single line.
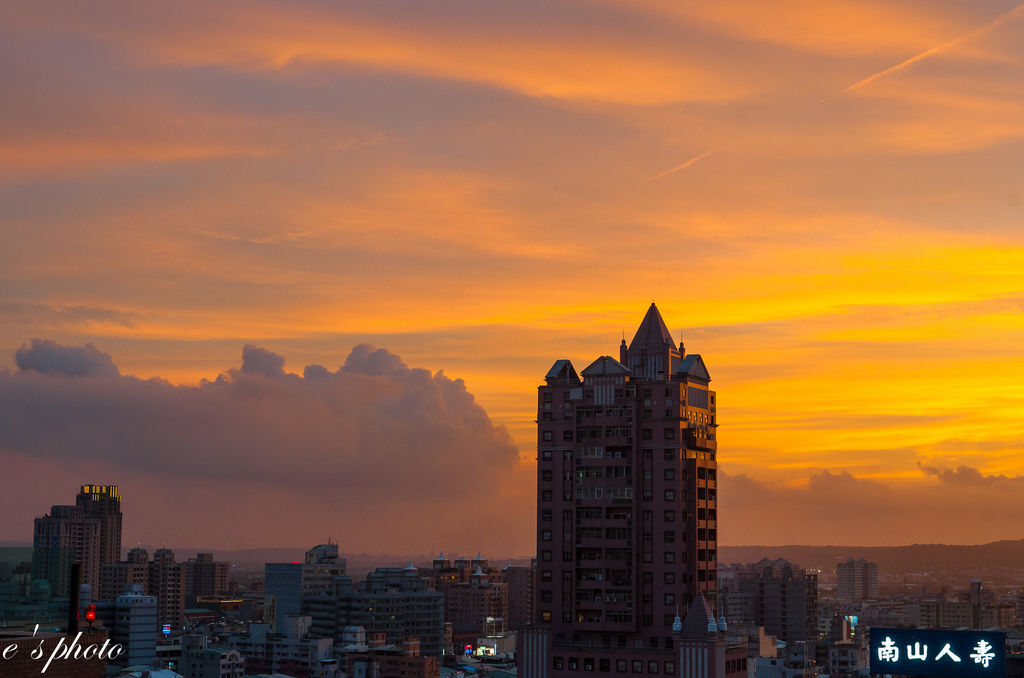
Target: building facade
[[857, 580], [626, 499], [775, 594], [103, 502]]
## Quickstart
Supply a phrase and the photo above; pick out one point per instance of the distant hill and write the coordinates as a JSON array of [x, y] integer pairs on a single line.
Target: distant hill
[[1007, 554], [358, 563]]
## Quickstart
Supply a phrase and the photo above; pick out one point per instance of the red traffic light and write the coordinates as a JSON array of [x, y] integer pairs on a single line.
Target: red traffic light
[[90, 613]]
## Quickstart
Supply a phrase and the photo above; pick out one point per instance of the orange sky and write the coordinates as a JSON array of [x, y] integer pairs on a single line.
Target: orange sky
[[826, 199]]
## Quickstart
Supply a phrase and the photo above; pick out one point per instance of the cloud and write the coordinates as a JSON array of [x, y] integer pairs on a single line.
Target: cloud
[[962, 506], [256, 360], [374, 448], [49, 357]]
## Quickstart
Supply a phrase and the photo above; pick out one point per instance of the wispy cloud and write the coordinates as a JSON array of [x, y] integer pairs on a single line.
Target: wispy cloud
[[1014, 13], [689, 163]]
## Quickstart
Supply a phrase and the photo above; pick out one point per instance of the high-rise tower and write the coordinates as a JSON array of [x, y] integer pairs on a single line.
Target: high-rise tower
[[626, 502], [103, 502], [88, 533]]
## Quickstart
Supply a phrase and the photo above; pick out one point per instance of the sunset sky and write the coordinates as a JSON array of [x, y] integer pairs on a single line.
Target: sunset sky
[[825, 199]]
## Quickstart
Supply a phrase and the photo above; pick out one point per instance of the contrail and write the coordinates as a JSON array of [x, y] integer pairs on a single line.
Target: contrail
[[683, 166], [1001, 19]]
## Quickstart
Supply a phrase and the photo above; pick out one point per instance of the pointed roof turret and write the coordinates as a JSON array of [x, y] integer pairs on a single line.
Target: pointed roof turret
[[605, 366], [652, 333], [699, 617]]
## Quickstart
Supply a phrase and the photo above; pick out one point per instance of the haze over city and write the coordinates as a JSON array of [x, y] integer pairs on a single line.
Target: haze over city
[[302, 269]]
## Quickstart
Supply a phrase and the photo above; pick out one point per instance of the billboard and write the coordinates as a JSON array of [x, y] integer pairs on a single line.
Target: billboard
[[937, 652]]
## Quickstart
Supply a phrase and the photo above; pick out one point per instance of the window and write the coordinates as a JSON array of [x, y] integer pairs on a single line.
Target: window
[[606, 665], [545, 515], [545, 455], [545, 535], [652, 667], [670, 536], [670, 434], [574, 663], [646, 434], [670, 557], [670, 599], [670, 577], [566, 435], [670, 474], [670, 495], [670, 668], [545, 474], [638, 666], [670, 455], [670, 516], [546, 435], [545, 495], [545, 616], [545, 596], [620, 665], [545, 575], [558, 662], [545, 555]]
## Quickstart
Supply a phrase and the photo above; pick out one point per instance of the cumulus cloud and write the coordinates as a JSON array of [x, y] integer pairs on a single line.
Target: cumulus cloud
[[375, 446], [944, 505], [49, 357], [257, 360]]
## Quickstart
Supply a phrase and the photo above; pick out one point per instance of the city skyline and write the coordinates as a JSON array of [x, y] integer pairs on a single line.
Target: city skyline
[[825, 199]]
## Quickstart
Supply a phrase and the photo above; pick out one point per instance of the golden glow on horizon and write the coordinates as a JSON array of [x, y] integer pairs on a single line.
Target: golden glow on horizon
[[823, 198]]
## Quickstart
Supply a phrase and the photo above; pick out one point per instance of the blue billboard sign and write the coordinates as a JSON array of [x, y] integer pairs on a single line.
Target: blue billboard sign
[[936, 652]]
